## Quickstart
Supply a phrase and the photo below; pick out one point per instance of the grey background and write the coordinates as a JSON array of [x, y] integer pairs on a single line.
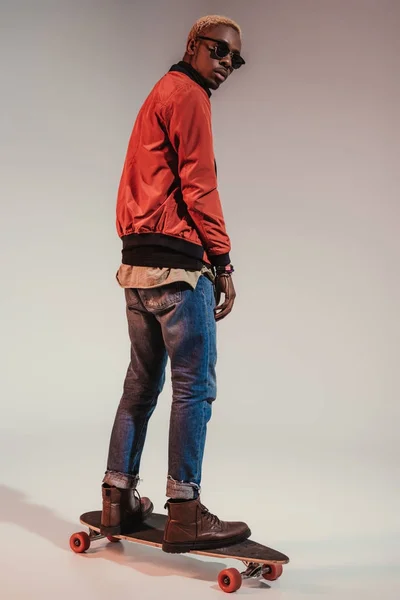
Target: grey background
[[304, 439]]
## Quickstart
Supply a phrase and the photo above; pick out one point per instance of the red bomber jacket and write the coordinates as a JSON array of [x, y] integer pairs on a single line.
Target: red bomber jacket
[[169, 211]]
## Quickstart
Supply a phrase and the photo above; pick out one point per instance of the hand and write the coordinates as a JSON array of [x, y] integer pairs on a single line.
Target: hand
[[224, 285]]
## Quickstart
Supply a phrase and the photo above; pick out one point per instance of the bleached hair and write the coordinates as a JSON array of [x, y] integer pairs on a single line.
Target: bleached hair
[[209, 22]]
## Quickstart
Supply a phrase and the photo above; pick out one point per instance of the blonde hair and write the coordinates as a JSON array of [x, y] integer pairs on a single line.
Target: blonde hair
[[210, 21]]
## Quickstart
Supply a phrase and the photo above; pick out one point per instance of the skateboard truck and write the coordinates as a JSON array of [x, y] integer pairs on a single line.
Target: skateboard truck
[[95, 535], [253, 570]]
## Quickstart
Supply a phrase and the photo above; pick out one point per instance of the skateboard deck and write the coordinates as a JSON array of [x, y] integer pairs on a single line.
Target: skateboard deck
[[260, 561]]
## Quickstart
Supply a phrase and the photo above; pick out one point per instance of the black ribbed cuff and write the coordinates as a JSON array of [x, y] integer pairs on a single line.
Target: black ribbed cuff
[[220, 260]]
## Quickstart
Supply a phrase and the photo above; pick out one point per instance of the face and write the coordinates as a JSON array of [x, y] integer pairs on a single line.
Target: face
[[203, 58]]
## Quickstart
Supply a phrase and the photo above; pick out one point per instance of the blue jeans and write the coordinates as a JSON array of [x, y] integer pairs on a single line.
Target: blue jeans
[[178, 322]]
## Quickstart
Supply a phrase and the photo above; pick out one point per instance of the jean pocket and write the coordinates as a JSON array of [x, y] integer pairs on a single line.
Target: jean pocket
[[162, 297]]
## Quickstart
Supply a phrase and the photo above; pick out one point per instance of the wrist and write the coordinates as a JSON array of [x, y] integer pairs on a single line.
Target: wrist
[[225, 270]]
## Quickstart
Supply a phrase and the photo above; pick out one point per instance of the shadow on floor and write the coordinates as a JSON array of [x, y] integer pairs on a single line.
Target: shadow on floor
[[16, 509]]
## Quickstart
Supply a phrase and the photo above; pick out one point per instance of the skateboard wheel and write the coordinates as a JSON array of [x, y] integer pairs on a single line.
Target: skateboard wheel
[[274, 572], [229, 580], [113, 539], [79, 542]]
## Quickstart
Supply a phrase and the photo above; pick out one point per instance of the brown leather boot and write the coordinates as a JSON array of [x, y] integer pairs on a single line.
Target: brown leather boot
[[190, 526], [123, 510]]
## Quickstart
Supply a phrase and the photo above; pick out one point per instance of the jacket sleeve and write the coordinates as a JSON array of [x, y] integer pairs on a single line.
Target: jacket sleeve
[[188, 124]]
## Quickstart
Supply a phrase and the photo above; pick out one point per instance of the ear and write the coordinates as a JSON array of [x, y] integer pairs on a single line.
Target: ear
[[191, 47]]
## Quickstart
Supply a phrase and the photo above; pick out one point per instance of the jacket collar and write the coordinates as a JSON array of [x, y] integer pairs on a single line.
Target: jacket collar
[[184, 67]]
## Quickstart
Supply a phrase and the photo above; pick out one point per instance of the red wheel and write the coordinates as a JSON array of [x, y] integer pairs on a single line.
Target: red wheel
[[229, 580], [113, 539], [79, 542], [274, 572]]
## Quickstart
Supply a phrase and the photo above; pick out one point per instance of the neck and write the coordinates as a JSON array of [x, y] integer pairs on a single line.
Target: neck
[[184, 65]]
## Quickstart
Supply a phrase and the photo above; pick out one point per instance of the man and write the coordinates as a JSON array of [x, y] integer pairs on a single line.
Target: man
[[175, 267]]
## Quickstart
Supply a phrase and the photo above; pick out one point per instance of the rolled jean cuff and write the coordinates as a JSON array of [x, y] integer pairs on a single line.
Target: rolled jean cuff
[[181, 489], [121, 480]]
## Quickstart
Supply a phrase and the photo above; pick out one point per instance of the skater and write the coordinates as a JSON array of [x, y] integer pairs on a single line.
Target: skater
[[175, 270]]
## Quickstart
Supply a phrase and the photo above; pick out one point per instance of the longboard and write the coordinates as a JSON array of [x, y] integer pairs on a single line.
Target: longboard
[[260, 561]]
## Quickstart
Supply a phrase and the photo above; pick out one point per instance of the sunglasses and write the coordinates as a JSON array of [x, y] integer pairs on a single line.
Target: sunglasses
[[221, 50]]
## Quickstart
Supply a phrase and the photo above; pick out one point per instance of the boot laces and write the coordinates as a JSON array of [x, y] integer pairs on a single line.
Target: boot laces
[[213, 519]]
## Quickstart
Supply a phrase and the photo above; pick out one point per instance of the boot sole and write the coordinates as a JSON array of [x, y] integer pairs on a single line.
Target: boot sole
[[182, 547]]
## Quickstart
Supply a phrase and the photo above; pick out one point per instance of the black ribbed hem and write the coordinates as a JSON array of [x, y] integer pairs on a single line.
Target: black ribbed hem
[[156, 256], [160, 250], [220, 260], [180, 245]]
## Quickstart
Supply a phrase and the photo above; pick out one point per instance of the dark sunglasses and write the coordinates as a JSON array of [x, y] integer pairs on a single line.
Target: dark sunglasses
[[221, 49]]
